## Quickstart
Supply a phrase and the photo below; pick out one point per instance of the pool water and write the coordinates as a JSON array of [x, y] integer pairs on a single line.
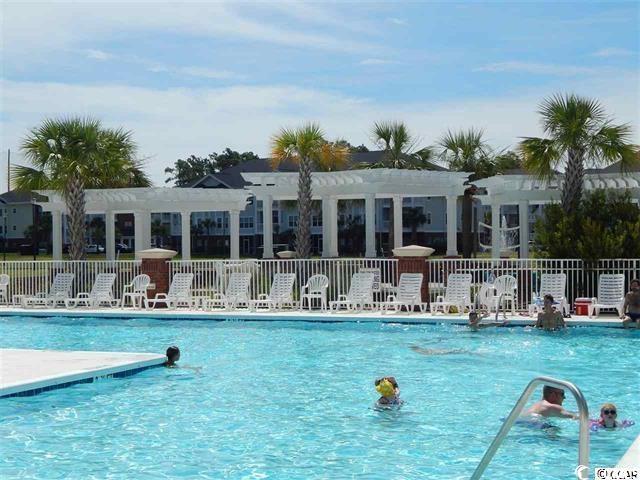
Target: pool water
[[293, 400]]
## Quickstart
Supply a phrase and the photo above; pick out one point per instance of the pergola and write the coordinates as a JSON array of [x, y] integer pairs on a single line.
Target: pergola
[[329, 187], [142, 202], [525, 190]]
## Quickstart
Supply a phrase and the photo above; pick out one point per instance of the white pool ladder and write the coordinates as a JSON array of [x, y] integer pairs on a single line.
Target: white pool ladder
[[583, 411]]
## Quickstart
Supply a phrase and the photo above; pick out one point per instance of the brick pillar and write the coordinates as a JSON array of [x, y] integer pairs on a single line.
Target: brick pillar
[[158, 270], [416, 265]]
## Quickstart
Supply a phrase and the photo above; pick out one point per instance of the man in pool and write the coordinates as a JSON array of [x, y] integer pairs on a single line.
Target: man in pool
[[631, 308], [550, 405], [476, 323], [173, 355]]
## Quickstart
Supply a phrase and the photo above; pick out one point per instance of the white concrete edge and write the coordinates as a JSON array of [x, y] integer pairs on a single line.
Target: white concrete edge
[[631, 459], [286, 315], [48, 381]]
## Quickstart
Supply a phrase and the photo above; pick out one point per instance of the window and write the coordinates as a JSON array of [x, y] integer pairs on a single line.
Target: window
[[14, 210], [428, 216], [275, 214], [128, 224], [260, 217], [218, 222], [386, 214], [246, 222], [14, 228], [316, 221], [293, 221], [0, 228]]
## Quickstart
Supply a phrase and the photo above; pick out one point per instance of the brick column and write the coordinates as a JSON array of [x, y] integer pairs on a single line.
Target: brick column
[[158, 270], [416, 265]]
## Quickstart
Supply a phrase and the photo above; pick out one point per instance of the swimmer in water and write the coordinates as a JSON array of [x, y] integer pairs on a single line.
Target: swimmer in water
[[388, 388], [550, 405], [476, 323], [173, 355], [609, 418]]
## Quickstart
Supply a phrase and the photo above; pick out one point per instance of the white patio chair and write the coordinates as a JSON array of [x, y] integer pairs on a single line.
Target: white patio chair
[[554, 284], [136, 291], [457, 294], [59, 291], [101, 293], [359, 296], [506, 290], [179, 293], [237, 293], [485, 296], [4, 288], [315, 289], [409, 294], [281, 293], [610, 294]]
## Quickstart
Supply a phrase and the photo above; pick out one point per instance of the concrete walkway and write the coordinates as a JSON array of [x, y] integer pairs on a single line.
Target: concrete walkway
[[28, 372]]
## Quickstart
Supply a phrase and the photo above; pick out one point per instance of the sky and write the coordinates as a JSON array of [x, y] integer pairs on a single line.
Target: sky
[[197, 77]]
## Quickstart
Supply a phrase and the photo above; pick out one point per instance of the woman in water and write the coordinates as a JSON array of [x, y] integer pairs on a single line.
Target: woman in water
[[608, 418], [550, 319]]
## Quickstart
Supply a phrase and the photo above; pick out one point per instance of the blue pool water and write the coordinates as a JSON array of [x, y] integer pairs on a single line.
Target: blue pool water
[[292, 400]]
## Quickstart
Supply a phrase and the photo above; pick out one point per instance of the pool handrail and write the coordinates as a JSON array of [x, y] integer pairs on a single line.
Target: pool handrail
[[583, 412]]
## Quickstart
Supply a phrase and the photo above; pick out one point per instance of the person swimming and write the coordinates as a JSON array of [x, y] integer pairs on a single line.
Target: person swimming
[[476, 322], [389, 390], [550, 405], [173, 355], [608, 419]]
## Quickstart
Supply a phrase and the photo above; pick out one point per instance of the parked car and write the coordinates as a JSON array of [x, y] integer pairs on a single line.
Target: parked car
[[93, 248], [122, 247]]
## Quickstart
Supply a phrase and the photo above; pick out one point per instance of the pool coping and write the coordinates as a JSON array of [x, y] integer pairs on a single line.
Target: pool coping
[[631, 459], [287, 315], [129, 364]]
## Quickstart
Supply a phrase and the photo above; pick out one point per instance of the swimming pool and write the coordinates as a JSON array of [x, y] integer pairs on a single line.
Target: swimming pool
[[292, 400]]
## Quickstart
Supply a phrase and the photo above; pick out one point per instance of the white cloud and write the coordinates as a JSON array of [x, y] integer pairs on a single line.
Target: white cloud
[[377, 61], [538, 69], [98, 55], [612, 52], [207, 73], [397, 21], [172, 123]]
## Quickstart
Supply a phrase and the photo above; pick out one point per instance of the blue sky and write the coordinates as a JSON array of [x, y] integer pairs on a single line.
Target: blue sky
[[191, 78]]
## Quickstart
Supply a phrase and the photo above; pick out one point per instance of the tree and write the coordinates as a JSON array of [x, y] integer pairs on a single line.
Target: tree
[[352, 149], [413, 218], [160, 231], [97, 229], [186, 172], [307, 147], [71, 154], [578, 134]]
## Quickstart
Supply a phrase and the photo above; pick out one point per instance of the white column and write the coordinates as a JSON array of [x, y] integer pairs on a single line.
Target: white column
[[523, 219], [56, 234], [397, 221], [185, 224], [146, 230], [370, 225], [234, 233], [452, 225], [326, 227], [110, 234], [495, 230], [333, 227], [138, 229], [267, 227]]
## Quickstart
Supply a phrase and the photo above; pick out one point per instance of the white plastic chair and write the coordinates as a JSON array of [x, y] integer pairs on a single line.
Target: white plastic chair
[[179, 292], [136, 291], [359, 296], [610, 294], [316, 288], [237, 293], [554, 284], [4, 288], [281, 293], [506, 290], [59, 291], [409, 294], [101, 293], [457, 294], [485, 296]]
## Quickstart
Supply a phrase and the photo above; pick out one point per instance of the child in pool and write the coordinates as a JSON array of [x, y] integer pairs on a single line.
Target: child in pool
[[388, 388], [608, 418]]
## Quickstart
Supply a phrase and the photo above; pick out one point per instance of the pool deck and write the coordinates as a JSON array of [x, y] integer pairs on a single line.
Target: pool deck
[[29, 372], [315, 316], [631, 459]]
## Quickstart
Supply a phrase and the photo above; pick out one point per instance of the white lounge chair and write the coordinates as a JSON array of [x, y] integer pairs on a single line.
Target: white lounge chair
[[59, 291], [359, 296], [4, 288], [237, 293], [315, 289], [506, 290], [136, 291], [554, 284], [281, 293], [409, 294], [179, 293], [610, 294], [457, 294], [101, 293]]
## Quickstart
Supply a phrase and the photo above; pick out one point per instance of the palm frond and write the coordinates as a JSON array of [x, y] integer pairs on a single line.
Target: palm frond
[[26, 179], [612, 143], [540, 156]]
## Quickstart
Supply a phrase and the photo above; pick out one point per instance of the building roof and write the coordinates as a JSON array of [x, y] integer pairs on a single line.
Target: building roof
[[17, 196], [232, 177]]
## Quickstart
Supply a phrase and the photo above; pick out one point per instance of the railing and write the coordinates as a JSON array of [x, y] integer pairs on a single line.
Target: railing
[[29, 277], [583, 413]]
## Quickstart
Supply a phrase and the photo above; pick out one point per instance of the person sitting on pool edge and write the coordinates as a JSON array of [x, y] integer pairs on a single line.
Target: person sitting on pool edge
[[550, 405], [631, 307], [388, 388], [173, 355], [550, 319]]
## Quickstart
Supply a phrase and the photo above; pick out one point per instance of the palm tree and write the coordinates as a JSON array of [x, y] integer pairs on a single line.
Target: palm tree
[[579, 133], [307, 147], [71, 154]]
